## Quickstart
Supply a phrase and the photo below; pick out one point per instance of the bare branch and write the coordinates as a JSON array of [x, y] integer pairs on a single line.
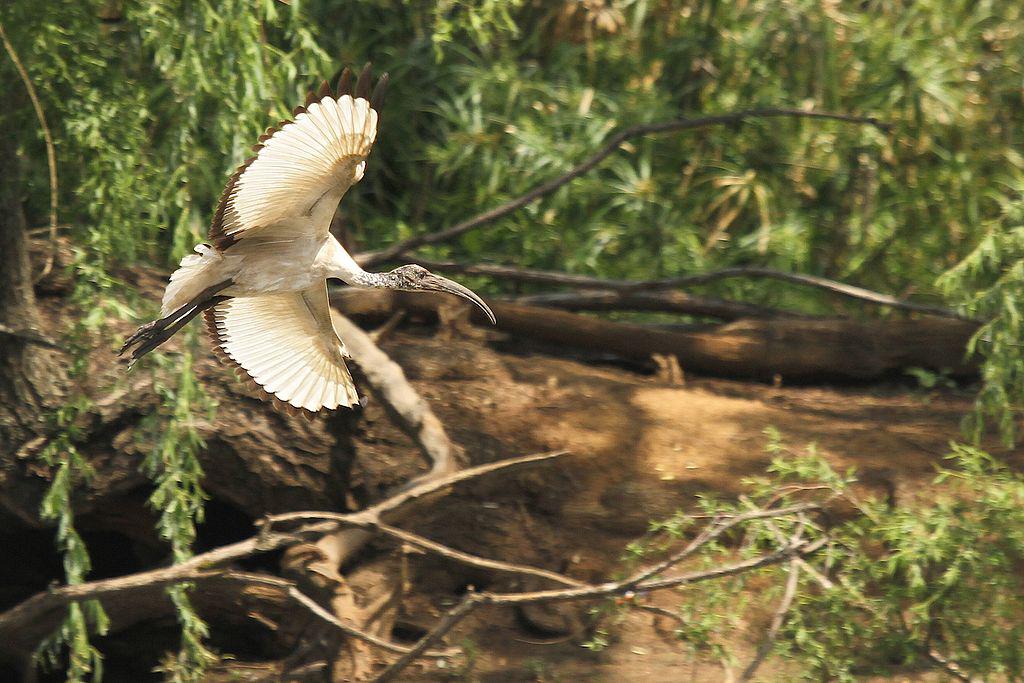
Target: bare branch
[[417, 492], [449, 621], [35, 608], [948, 665], [405, 407], [319, 611], [667, 301], [613, 144], [636, 286], [30, 336], [302, 599], [472, 560], [51, 155], [98, 590], [777, 619]]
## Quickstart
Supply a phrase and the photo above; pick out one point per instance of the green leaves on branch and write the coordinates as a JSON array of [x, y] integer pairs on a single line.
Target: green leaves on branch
[[69, 469], [178, 497], [897, 584]]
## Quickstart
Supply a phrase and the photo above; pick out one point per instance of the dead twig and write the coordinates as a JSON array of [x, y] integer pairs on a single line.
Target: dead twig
[[417, 492], [948, 665], [668, 301], [777, 620], [623, 588], [471, 560], [312, 606], [637, 287], [36, 608], [613, 144]]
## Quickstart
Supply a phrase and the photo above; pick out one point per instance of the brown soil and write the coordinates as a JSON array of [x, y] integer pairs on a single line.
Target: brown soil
[[642, 448]]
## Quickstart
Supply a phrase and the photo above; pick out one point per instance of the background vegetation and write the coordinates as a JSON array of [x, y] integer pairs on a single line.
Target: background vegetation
[[152, 106]]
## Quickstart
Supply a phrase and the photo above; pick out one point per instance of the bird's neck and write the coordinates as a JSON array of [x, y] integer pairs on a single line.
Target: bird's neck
[[371, 280], [339, 264]]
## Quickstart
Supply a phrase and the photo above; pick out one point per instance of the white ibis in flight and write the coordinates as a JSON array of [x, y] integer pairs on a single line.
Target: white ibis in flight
[[261, 283]]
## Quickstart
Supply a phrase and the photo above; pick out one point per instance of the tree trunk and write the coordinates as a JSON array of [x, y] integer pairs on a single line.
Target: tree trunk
[[30, 373]]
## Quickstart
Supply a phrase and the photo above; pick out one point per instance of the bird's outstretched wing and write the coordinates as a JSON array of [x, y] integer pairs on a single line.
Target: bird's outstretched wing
[[299, 164], [287, 345]]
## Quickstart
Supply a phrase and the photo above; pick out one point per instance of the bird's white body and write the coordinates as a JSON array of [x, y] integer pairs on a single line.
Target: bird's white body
[[261, 283], [270, 263]]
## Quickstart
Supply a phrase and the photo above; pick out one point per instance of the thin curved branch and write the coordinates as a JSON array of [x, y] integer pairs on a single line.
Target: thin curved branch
[[405, 407], [663, 301], [636, 286], [415, 493], [549, 186], [777, 620], [841, 288], [471, 560], [473, 600], [34, 609], [51, 154]]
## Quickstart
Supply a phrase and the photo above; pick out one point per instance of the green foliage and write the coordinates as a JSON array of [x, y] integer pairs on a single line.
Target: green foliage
[[173, 463], [69, 468], [902, 582], [152, 107], [178, 497], [489, 98], [991, 282], [150, 113]]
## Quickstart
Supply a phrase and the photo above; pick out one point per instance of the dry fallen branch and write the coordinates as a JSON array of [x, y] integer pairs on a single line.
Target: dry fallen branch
[[613, 144], [635, 287], [667, 301], [404, 405], [777, 620], [24, 625], [395, 503], [627, 587]]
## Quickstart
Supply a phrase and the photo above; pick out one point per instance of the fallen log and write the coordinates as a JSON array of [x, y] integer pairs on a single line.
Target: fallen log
[[808, 349]]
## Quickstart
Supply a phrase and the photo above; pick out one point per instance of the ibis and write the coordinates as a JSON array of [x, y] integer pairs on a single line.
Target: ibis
[[261, 280]]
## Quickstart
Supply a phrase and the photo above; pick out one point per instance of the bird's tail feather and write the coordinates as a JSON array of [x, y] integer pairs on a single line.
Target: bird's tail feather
[[195, 273]]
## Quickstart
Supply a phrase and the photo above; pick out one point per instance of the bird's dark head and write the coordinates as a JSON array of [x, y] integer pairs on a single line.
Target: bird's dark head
[[416, 278]]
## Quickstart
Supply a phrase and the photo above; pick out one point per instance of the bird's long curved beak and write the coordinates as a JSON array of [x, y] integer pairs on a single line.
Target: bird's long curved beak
[[443, 284]]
